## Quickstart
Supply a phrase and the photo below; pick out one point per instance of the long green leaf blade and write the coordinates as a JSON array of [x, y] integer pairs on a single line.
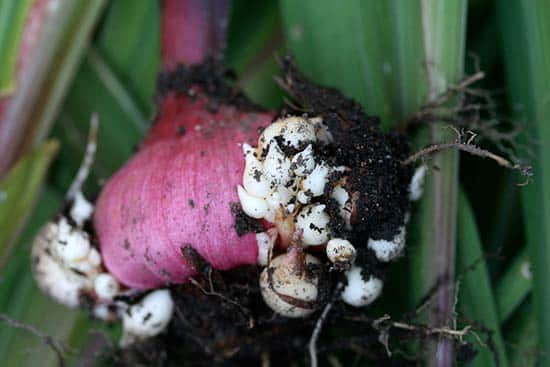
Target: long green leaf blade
[[514, 285], [129, 41], [476, 294], [12, 20], [41, 89], [18, 194], [526, 42]]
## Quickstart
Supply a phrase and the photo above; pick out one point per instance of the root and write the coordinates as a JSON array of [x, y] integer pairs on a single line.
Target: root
[[468, 147], [212, 292], [87, 162], [319, 326], [475, 113], [54, 345]]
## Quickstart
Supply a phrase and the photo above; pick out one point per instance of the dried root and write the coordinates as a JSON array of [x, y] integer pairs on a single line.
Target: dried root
[[472, 114]]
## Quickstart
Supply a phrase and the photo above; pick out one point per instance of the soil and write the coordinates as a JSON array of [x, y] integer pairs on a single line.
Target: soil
[[212, 78], [221, 318], [243, 223]]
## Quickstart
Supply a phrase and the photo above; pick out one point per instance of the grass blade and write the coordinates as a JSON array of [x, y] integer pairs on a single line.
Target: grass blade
[[12, 20], [526, 44], [41, 89], [19, 191], [21, 300], [129, 42], [342, 50], [514, 285], [476, 294], [523, 338]]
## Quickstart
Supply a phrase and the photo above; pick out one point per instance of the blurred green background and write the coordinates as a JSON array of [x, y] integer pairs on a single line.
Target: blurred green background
[[392, 56]]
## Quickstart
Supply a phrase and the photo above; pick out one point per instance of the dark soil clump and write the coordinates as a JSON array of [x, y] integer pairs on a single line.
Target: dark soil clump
[[213, 80], [243, 223], [375, 157], [221, 319]]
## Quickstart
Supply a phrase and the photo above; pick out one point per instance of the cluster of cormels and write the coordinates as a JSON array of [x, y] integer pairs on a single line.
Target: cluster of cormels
[[285, 183], [70, 270]]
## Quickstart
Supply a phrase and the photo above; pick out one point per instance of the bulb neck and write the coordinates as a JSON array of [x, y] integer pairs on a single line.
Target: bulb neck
[[193, 31]]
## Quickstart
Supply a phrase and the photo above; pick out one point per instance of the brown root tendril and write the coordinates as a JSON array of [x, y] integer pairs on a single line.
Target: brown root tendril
[[473, 116]]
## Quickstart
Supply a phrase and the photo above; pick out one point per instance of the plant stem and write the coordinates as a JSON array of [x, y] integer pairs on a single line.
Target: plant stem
[[444, 51], [193, 31]]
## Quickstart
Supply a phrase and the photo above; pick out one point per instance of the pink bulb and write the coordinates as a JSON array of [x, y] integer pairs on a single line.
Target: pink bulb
[[177, 191]]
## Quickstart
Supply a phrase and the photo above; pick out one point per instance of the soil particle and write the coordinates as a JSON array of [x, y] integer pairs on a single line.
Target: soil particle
[[243, 223], [180, 131]]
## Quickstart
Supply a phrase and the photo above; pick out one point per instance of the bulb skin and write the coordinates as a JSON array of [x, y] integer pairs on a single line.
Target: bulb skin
[[177, 191]]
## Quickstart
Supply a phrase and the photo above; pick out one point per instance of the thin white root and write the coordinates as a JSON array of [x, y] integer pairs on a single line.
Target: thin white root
[[87, 162], [317, 330]]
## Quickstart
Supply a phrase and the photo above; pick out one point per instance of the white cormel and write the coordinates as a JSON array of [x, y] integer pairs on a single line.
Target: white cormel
[[361, 292], [71, 244], [416, 187], [340, 250], [252, 206], [254, 180], [276, 165], [388, 250], [313, 221], [265, 241], [285, 281], [106, 286], [147, 318], [52, 275], [315, 182], [298, 131], [304, 162]]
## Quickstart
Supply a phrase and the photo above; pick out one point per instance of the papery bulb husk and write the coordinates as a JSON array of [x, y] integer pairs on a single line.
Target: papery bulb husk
[[177, 191]]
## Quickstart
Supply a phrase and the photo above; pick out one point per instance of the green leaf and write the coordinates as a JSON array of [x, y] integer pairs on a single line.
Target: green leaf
[[116, 81], [97, 89], [522, 337], [254, 38], [251, 30], [347, 47], [526, 43], [18, 194], [476, 294], [12, 20], [21, 300], [514, 285], [129, 41], [60, 46]]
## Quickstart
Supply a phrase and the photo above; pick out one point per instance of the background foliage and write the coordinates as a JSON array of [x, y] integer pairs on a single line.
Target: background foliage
[[392, 56]]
